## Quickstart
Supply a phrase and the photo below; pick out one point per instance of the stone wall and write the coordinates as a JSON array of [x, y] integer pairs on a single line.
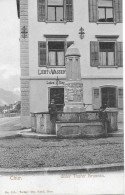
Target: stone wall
[[24, 64], [81, 130]]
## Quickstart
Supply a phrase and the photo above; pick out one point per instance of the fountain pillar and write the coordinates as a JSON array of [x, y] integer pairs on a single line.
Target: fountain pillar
[[73, 88]]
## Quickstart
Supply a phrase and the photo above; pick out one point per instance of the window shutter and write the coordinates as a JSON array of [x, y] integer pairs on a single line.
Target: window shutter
[[42, 53], [119, 54], [69, 43], [69, 10], [120, 98], [118, 11], [93, 10], [41, 10], [94, 53], [96, 98]]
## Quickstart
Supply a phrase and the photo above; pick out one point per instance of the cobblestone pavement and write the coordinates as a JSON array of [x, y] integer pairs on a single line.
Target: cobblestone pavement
[[34, 153]]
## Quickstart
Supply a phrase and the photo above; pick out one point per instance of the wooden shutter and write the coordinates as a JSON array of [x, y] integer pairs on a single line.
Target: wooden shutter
[[94, 53], [69, 43], [42, 53], [41, 10], [120, 98], [118, 11], [93, 10], [119, 54], [96, 98], [69, 10]]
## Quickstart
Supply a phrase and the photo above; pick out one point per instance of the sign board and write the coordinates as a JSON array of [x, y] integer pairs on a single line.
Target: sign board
[[52, 71]]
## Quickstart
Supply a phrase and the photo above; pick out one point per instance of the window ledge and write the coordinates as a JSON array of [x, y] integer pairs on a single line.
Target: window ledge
[[107, 66], [106, 23], [47, 21], [56, 66]]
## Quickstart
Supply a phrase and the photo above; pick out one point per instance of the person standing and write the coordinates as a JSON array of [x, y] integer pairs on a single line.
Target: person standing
[[53, 113]]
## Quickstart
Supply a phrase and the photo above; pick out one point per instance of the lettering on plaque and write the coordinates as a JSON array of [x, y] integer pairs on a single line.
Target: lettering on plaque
[[54, 82], [51, 71]]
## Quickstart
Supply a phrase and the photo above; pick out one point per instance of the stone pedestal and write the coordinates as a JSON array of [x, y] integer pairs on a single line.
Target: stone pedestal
[[112, 119], [41, 123], [73, 96]]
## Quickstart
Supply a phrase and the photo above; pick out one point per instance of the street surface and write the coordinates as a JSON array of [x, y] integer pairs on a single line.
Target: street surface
[[8, 125]]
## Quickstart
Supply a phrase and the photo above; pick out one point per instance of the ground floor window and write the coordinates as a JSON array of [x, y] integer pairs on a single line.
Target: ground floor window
[[108, 95], [58, 95]]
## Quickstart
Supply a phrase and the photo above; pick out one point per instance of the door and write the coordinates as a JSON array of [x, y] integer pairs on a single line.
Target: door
[[109, 97], [57, 94]]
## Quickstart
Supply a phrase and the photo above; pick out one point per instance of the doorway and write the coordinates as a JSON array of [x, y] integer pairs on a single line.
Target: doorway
[[57, 93], [109, 96]]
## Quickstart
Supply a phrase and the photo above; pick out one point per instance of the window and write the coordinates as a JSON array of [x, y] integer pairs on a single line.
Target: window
[[55, 10], [56, 53], [108, 97], [107, 53], [105, 11], [52, 52]]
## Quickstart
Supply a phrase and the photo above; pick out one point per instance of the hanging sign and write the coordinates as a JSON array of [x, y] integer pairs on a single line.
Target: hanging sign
[[51, 71]]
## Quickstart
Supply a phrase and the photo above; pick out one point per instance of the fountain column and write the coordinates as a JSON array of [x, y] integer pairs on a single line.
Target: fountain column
[[73, 88]]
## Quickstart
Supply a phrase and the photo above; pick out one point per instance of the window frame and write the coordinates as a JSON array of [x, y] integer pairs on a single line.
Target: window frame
[[113, 12], [64, 13], [108, 66], [56, 51], [107, 38], [47, 51], [55, 12], [99, 96], [116, 94]]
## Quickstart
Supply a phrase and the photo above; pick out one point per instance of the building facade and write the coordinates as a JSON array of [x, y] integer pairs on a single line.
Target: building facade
[[47, 29]]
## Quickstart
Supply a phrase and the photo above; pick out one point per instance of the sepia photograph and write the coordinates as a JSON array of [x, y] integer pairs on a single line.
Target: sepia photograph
[[61, 97]]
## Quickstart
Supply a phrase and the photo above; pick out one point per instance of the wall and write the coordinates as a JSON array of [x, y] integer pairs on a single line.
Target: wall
[[81, 19]]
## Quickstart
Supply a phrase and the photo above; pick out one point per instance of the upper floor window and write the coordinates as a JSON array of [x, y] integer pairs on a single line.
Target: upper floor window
[[105, 53], [55, 10], [56, 53], [52, 52], [105, 11]]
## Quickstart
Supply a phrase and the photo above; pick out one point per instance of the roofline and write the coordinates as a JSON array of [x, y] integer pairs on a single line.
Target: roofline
[[18, 8]]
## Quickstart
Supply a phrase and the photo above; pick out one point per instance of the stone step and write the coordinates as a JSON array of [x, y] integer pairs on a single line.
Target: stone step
[[30, 134], [115, 134]]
